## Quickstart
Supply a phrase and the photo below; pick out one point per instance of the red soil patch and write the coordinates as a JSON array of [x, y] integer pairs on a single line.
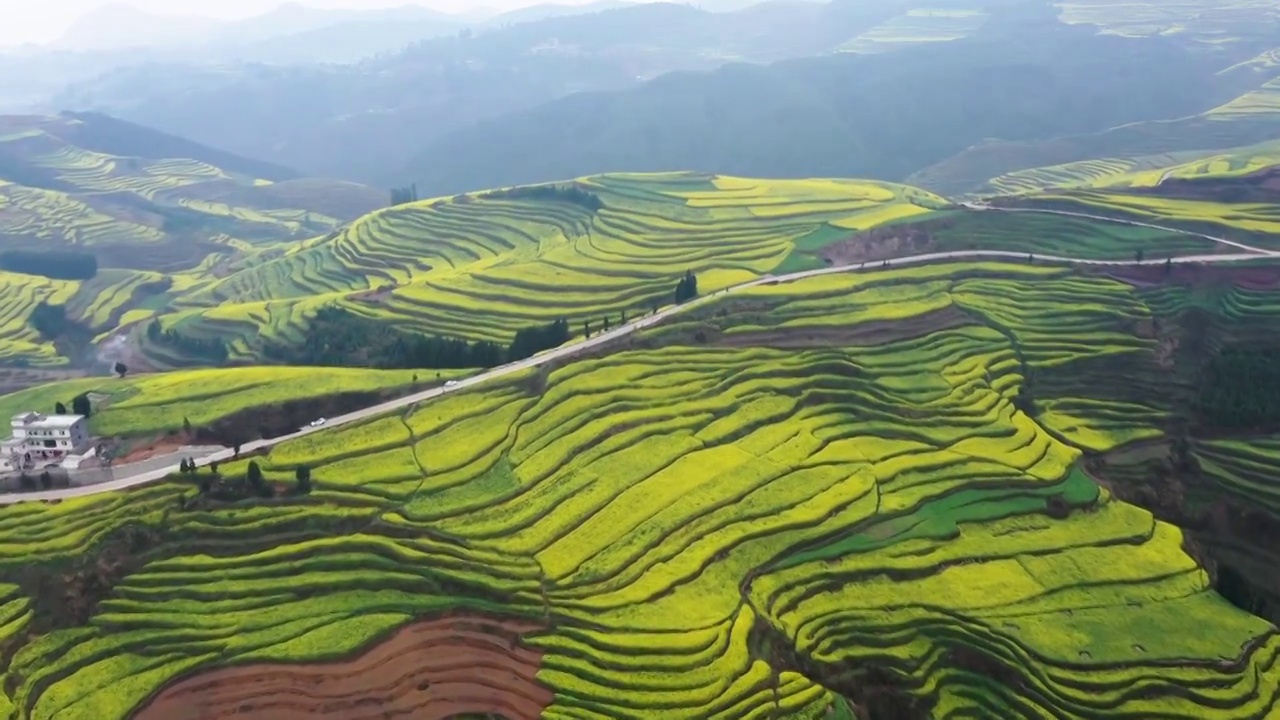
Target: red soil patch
[[431, 669]]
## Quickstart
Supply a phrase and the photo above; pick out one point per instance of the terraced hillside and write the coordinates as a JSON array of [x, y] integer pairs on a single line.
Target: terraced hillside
[[1146, 171], [20, 343], [485, 265], [1237, 202], [864, 495], [150, 223], [61, 186]]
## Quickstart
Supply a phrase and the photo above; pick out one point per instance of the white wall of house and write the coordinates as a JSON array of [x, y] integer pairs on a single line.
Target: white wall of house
[[39, 440]]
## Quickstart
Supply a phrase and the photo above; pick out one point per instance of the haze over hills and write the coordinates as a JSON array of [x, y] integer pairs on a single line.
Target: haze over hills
[[848, 114], [121, 26], [590, 87], [370, 115], [121, 35]]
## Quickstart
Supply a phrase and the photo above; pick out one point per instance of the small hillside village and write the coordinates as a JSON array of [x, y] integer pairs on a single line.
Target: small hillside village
[[40, 441]]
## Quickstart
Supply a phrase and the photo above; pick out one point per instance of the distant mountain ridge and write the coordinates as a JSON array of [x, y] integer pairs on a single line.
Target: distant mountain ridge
[[1025, 76], [359, 121]]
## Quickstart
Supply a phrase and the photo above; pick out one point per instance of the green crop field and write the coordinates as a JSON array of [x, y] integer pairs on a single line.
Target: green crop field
[[482, 268], [1083, 238], [20, 344], [156, 403], [1258, 221], [787, 502]]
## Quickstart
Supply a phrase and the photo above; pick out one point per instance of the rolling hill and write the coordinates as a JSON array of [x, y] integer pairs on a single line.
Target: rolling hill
[[89, 190], [483, 266], [886, 494]]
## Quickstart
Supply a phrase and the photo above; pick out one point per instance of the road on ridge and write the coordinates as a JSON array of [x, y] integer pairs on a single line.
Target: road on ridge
[[569, 350]]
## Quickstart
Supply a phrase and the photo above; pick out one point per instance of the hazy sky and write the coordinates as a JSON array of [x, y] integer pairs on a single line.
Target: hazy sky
[[40, 21]]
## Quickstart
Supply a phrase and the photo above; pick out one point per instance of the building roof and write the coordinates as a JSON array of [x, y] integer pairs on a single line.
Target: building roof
[[38, 421]]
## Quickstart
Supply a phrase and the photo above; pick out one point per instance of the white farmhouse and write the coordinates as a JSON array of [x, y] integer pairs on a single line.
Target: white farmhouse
[[42, 440]]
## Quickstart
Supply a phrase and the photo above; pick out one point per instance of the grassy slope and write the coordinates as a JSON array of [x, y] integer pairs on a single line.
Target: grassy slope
[[696, 523], [144, 404]]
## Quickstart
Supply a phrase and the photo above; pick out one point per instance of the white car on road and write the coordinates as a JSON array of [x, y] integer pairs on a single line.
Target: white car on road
[[317, 422]]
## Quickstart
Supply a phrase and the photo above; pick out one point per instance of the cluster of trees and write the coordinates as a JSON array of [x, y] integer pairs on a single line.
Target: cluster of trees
[[531, 341], [402, 195], [213, 350], [338, 337], [1240, 388], [570, 194], [687, 288], [49, 320], [80, 405], [56, 264], [254, 483]]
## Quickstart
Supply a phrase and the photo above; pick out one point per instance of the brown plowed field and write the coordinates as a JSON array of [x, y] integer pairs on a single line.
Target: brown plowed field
[[431, 669]]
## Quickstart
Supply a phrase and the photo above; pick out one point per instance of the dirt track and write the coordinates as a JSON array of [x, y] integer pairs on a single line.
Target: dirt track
[[431, 669]]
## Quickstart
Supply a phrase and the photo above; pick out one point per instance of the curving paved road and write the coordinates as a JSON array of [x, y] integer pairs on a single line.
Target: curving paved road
[[568, 350]]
